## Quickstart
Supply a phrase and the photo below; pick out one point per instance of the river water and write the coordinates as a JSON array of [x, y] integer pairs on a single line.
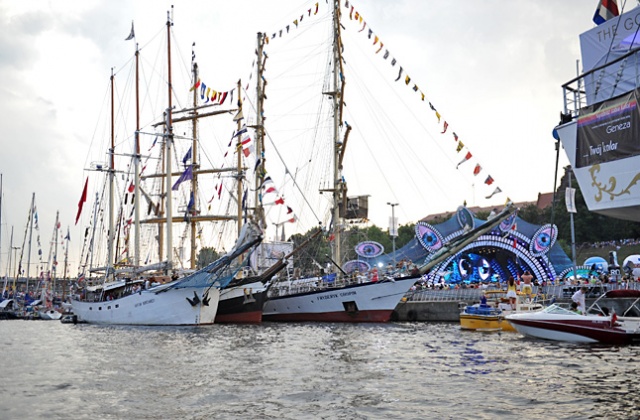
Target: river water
[[307, 371]]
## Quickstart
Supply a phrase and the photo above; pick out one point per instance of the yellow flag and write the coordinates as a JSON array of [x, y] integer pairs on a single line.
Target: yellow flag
[[438, 115], [407, 79]]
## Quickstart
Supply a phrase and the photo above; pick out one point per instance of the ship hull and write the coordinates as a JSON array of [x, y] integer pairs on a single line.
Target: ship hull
[[173, 306], [366, 302], [242, 304]]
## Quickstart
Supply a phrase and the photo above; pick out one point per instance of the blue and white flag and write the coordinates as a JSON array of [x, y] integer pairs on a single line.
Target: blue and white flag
[[187, 175], [186, 157]]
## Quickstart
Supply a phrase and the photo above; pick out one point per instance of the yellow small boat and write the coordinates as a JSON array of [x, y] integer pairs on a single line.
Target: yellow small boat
[[490, 316]]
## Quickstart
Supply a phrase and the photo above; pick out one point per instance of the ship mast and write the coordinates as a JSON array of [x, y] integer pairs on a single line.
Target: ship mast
[[112, 173], [339, 186], [168, 143], [240, 174], [194, 166], [136, 163], [259, 129]]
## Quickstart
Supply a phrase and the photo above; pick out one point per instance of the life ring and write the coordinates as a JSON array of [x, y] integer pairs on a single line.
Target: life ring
[[412, 315]]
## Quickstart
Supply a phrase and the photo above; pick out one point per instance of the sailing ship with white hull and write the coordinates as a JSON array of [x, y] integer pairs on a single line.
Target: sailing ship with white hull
[[129, 296], [336, 294]]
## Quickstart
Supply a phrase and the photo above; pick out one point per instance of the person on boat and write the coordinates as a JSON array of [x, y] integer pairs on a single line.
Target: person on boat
[[527, 287], [511, 292], [574, 307], [483, 300], [579, 298], [374, 274]]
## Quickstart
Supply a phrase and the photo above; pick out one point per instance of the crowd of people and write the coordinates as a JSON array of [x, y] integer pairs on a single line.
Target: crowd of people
[[612, 243]]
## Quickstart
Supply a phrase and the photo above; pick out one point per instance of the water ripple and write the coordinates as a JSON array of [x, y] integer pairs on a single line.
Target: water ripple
[[308, 371]]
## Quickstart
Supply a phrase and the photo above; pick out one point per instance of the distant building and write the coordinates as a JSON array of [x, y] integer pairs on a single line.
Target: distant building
[[544, 200]]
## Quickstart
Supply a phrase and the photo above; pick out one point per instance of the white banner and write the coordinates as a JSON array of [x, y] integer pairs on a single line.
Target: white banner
[[570, 199], [393, 226]]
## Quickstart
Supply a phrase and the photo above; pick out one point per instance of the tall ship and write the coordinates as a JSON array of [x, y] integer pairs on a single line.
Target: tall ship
[[129, 289], [336, 288], [600, 122]]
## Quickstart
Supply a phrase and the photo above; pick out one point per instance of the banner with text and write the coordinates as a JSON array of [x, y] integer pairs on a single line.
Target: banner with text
[[608, 131]]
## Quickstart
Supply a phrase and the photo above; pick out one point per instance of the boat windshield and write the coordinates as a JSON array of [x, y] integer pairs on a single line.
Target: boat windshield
[[558, 310]]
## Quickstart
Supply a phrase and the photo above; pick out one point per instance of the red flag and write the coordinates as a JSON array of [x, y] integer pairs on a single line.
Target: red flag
[[83, 198], [279, 201], [246, 146], [445, 127], [477, 169], [289, 210], [466, 158], [489, 180], [131, 188], [292, 220]]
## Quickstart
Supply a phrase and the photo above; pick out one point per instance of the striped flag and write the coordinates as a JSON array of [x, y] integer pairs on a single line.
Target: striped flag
[[606, 10], [466, 158]]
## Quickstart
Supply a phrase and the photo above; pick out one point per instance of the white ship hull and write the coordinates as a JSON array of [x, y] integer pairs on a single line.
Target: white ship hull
[[156, 306], [365, 302]]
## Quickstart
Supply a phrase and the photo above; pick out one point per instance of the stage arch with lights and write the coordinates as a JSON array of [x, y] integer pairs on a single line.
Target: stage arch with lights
[[511, 248]]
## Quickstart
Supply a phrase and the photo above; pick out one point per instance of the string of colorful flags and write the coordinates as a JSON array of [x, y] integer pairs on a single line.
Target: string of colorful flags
[[355, 16]]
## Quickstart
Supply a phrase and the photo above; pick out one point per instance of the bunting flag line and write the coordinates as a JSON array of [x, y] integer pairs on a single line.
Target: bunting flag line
[[83, 199], [496, 191], [241, 131], [154, 143], [608, 6], [466, 158]]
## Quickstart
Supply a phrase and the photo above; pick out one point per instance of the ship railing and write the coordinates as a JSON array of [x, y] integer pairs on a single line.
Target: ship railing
[[545, 294], [606, 81]]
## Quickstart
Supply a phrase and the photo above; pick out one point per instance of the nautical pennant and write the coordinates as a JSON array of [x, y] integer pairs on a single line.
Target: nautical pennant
[[477, 169], [444, 130], [489, 180], [187, 156], [132, 34], [466, 158], [496, 191], [83, 199]]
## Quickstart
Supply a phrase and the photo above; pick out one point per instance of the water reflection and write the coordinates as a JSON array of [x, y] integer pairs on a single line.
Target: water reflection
[[401, 370]]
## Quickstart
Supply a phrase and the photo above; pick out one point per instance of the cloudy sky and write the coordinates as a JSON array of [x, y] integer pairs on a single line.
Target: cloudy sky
[[492, 69]]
